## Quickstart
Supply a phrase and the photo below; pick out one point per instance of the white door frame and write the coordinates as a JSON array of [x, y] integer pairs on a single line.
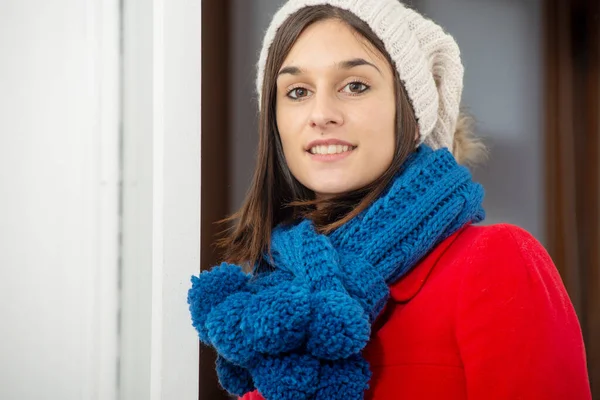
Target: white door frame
[[161, 197], [102, 21]]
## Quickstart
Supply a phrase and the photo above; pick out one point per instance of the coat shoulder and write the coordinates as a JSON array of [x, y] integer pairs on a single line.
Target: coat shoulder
[[500, 251], [499, 236]]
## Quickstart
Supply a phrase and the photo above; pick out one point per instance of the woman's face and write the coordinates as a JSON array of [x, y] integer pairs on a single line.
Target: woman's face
[[336, 110]]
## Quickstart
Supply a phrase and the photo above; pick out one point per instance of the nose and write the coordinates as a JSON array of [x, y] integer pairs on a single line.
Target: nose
[[326, 112]]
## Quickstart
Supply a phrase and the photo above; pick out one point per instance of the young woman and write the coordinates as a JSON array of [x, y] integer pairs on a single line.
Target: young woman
[[368, 279]]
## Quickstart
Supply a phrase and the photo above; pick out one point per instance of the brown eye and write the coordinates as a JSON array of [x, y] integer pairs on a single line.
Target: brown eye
[[298, 93], [356, 87]]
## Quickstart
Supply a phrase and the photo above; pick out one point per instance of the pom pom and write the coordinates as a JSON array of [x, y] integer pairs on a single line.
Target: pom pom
[[286, 377], [211, 288], [225, 330], [277, 319], [343, 379], [339, 326], [233, 378]]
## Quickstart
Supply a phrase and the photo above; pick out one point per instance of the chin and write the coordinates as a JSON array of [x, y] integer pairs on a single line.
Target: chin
[[332, 189]]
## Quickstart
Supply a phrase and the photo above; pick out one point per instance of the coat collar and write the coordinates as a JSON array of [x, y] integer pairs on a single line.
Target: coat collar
[[408, 286]]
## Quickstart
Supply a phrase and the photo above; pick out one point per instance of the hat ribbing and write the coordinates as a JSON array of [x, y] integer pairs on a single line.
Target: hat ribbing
[[426, 58]]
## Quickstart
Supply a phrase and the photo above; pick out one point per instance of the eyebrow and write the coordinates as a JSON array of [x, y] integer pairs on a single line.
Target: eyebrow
[[356, 62], [348, 64]]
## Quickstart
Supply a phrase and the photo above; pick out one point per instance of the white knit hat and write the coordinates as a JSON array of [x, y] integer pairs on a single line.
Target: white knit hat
[[427, 60]]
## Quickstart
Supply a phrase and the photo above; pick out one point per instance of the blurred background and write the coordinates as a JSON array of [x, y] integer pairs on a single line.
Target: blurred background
[[101, 165], [532, 81]]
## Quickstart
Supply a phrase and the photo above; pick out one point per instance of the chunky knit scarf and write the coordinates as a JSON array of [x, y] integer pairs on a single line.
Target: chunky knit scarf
[[297, 332]]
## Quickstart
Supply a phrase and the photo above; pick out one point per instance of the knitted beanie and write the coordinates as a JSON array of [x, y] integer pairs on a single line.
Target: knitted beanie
[[426, 58]]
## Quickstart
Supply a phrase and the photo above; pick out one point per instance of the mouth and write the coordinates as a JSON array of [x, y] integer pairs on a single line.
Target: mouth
[[331, 152], [331, 149]]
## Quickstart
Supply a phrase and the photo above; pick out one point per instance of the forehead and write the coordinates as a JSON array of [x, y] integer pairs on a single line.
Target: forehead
[[325, 43]]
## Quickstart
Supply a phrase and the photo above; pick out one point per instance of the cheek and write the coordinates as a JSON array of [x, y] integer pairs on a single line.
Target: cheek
[[386, 117], [283, 123], [380, 120], [288, 128]]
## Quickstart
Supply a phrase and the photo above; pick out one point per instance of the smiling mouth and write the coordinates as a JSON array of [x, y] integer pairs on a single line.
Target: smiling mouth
[[331, 149]]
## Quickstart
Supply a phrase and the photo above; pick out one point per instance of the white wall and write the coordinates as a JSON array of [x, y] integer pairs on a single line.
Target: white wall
[[80, 244], [59, 199]]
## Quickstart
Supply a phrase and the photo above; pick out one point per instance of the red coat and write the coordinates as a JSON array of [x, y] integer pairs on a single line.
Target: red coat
[[484, 316]]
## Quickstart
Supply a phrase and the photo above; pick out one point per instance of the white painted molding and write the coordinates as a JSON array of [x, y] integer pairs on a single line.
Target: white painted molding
[[161, 199], [103, 19], [176, 185]]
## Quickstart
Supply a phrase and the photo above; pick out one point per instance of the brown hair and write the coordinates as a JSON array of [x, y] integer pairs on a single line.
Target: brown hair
[[275, 196]]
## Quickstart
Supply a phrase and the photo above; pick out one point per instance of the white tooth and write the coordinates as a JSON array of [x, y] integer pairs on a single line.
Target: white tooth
[[344, 148], [319, 149], [313, 150], [331, 149], [338, 148]]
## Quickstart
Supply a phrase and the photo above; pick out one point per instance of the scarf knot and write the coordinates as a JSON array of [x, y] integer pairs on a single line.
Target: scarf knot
[[297, 332]]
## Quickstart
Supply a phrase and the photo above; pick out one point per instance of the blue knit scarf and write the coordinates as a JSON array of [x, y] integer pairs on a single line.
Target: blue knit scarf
[[297, 332]]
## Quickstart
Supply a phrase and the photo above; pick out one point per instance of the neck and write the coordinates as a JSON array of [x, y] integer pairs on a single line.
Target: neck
[[322, 198]]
